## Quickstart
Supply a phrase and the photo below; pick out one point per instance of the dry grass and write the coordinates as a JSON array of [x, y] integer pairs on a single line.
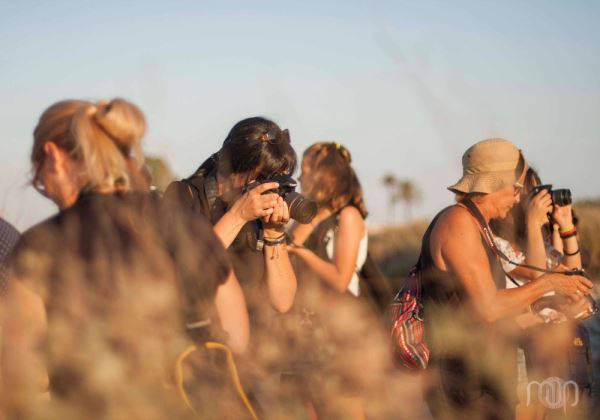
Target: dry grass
[[589, 235]]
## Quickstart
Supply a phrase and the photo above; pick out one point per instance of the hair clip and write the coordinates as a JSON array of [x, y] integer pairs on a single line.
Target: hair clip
[[276, 136], [343, 152]]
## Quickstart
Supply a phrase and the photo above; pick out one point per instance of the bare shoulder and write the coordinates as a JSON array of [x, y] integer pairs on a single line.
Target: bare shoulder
[[455, 224], [350, 213], [351, 217]]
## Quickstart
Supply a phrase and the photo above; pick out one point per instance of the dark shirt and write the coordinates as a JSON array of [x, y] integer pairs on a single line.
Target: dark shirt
[[197, 197], [9, 236], [112, 269], [473, 358]]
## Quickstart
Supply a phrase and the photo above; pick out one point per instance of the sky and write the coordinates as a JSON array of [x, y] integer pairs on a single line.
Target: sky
[[406, 86]]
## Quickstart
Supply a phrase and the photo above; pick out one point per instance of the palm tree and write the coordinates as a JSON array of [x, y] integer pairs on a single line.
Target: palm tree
[[390, 182], [409, 194]]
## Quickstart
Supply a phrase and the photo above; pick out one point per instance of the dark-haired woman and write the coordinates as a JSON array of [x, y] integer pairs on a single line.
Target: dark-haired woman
[[525, 237], [250, 221], [94, 311], [333, 249]]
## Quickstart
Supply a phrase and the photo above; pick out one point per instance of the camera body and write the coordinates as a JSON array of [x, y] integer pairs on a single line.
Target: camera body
[[301, 208], [560, 197]]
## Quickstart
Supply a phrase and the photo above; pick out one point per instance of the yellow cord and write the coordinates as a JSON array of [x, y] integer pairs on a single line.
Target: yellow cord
[[232, 372], [179, 376]]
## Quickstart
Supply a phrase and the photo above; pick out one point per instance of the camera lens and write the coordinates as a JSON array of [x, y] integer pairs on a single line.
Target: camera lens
[[561, 197], [301, 208]]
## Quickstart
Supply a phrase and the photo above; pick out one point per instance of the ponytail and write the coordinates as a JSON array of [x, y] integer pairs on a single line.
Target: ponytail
[[103, 138]]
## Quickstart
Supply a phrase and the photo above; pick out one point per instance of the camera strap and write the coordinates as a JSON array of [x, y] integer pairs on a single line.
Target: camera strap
[[489, 238]]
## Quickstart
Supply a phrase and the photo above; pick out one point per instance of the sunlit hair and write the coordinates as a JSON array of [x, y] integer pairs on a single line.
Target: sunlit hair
[[102, 138], [259, 147], [334, 183]]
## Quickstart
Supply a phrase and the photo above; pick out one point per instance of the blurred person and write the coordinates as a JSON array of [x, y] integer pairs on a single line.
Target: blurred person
[[232, 190], [9, 236], [469, 313], [332, 250], [101, 293], [541, 228]]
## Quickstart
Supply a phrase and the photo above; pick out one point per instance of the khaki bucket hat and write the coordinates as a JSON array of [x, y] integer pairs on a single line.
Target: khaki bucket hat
[[490, 165]]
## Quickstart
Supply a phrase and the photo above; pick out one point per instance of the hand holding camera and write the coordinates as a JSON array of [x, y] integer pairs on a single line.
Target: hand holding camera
[[563, 215], [574, 286], [275, 222], [539, 206], [300, 208], [256, 202]]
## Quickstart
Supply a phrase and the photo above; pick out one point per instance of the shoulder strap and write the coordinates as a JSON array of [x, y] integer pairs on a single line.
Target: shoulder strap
[[472, 208], [485, 228]]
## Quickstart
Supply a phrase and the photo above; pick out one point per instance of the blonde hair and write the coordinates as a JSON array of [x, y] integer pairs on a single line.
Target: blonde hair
[[103, 138], [335, 184]]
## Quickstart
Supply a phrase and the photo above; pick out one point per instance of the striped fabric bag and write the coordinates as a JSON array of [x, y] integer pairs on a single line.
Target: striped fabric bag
[[409, 349]]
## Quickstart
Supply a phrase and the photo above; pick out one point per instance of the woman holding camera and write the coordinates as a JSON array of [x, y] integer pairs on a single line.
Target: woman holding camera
[[538, 232], [249, 222], [94, 313], [469, 312], [232, 190], [526, 237]]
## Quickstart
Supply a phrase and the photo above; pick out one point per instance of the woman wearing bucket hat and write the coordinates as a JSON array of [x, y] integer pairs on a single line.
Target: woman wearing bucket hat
[[469, 314]]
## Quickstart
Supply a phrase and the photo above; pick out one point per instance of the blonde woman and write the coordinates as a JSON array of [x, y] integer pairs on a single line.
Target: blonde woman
[[94, 309]]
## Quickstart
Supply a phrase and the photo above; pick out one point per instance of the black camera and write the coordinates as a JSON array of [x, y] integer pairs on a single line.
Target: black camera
[[301, 208], [560, 197]]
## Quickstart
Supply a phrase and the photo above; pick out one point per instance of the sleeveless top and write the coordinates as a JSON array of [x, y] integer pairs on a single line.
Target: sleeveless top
[[443, 287], [474, 357], [322, 242]]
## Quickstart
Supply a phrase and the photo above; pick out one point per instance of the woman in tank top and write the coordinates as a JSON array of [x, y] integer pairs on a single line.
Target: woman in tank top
[[332, 250]]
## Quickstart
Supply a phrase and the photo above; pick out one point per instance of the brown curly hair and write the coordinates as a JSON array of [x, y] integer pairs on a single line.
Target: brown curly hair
[[334, 181]]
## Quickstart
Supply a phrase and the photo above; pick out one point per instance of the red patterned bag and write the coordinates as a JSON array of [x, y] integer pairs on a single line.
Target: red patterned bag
[[409, 349]]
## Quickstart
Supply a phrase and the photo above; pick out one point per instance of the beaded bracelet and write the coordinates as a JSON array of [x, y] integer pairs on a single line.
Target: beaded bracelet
[[567, 229], [567, 233]]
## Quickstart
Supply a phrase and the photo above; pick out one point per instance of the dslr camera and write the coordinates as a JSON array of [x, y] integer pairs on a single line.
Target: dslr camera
[[560, 197], [301, 208]]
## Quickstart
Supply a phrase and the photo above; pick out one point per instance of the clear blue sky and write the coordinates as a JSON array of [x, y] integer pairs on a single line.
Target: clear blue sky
[[405, 85]]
